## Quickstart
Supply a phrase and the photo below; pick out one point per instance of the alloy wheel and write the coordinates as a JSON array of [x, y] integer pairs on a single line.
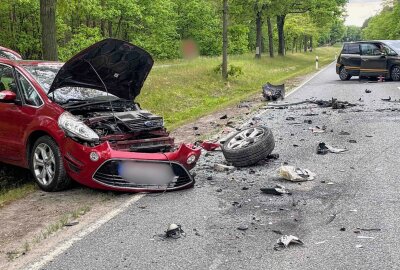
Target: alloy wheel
[[44, 164], [396, 73], [245, 138]]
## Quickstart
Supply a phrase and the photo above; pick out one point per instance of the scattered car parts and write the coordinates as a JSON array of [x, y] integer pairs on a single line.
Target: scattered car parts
[[174, 231], [324, 149], [248, 147], [294, 174], [277, 190], [287, 240], [273, 92]]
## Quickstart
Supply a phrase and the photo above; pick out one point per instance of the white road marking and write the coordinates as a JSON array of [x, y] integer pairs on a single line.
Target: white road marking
[[310, 79], [67, 244]]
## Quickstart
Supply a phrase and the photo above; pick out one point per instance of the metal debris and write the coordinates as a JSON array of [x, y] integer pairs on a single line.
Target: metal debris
[[243, 228], [318, 129], [174, 231], [210, 146], [273, 92], [277, 190], [286, 240], [387, 99], [223, 168], [368, 91], [324, 149], [294, 174]]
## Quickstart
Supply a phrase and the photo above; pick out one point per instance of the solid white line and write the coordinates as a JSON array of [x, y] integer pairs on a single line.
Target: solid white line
[[67, 244], [310, 79]]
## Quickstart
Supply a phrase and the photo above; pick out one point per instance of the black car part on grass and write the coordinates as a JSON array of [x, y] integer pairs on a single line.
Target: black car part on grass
[[273, 92], [248, 147]]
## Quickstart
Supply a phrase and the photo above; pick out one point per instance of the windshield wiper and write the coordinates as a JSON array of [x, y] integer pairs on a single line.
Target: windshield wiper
[[78, 103]]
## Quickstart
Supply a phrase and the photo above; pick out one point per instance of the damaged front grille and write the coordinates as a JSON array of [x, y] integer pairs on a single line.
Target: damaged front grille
[[140, 120], [144, 175]]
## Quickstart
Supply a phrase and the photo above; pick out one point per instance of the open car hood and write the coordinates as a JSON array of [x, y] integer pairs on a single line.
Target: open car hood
[[122, 66]]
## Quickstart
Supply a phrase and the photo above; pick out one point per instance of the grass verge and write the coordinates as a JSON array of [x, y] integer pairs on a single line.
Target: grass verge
[[185, 90]]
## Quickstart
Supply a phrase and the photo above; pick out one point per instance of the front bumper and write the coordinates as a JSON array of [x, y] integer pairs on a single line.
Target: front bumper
[[152, 172]]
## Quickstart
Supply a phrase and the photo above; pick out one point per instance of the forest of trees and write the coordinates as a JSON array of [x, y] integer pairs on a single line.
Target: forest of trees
[[385, 25], [159, 26]]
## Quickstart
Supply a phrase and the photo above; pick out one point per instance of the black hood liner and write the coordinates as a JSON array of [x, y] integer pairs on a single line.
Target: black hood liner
[[122, 66]]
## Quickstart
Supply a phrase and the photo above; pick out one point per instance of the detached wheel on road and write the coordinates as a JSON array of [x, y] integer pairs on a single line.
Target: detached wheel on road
[[249, 146], [395, 73], [47, 166], [343, 74]]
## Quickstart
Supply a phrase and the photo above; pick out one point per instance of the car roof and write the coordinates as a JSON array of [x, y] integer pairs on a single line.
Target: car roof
[[29, 62], [369, 41], [10, 51]]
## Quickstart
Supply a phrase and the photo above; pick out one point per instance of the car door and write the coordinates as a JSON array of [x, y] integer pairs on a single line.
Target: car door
[[351, 58], [373, 60], [15, 117]]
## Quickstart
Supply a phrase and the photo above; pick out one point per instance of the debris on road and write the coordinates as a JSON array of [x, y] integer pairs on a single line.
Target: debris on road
[[243, 227], [352, 141], [277, 190], [308, 121], [290, 118], [273, 156], [344, 133], [210, 146], [331, 218], [324, 149], [387, 99], [273, 92], [294, 174], [334, 104], [174, 231], [365, 237], [225, 116], [369, 230], [318, 129], [223, 168], [248, 147], [359, 246], [368, 91], [286, 240]]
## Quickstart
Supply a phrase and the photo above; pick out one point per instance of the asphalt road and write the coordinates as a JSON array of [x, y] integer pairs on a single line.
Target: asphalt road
[[356, 189]]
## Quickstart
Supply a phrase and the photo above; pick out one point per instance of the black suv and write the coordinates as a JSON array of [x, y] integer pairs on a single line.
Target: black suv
[[370, 59]]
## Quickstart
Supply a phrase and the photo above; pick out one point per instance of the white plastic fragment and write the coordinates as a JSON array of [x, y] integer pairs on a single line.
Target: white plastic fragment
[[294, 174], [286, 240], [223, 168]]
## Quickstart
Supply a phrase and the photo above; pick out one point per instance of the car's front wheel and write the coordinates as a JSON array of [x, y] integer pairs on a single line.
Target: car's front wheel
[[344, 75], [47, 165], [395, 73]]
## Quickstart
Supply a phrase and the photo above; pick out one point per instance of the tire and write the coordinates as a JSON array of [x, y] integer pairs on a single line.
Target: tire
[[249, 146], [47, 167], [343, 74], [395, 73]]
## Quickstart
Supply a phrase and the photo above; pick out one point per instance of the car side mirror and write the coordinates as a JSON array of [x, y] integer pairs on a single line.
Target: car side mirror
[[7, 96]]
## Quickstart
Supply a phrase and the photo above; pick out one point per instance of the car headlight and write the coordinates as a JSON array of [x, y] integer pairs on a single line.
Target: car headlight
[[76, 128]]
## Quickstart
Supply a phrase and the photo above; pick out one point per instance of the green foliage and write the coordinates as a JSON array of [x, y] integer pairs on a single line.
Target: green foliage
[[385, 25], [233, 71], [238, 37], [352, 33]]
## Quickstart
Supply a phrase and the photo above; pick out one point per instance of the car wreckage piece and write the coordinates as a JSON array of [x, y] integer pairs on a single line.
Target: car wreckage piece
[[86, 125], [273, 92]]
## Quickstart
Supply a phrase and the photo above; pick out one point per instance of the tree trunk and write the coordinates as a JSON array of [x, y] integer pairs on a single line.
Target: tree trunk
[[305, 43], [281, 33], [311, 44], [270, 37], [225, 40], [48, 22], [110, 29], [258, 35], [294, 44]]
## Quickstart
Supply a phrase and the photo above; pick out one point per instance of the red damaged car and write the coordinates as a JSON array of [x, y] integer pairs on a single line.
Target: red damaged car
[[80, 121], [9, 54]]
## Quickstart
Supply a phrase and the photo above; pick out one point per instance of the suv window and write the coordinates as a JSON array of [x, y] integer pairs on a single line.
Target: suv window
[[371, 49], [29, 93], [351, 48]]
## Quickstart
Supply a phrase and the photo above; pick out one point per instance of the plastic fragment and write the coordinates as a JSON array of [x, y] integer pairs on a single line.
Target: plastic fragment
[[294, 174]]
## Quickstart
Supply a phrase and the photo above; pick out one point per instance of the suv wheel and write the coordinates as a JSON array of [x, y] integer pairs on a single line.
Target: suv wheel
[[343, 74], [395, 73], [47, 166]]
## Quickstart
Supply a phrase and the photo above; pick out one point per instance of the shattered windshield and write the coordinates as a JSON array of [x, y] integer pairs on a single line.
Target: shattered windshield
[[45, 74]]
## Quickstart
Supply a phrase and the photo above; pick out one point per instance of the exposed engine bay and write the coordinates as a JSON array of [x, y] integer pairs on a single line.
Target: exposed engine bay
[[125, 126]]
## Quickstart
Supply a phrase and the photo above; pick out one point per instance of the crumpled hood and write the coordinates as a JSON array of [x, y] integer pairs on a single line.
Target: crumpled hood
[[122, 66]]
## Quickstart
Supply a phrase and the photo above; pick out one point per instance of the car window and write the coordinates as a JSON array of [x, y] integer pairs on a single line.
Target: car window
[[351, 49], [29, 93], [389, 51], [7, 81], [371, 49]]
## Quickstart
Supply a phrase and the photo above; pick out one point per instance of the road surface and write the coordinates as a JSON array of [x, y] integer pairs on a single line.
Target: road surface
[[356, 189]]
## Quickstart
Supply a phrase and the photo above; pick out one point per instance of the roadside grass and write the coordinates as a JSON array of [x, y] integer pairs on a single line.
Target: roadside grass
[[48, 231], [184, 90], [15, 183]]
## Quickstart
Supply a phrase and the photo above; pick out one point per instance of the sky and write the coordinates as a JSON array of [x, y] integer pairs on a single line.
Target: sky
[[360, 10]]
